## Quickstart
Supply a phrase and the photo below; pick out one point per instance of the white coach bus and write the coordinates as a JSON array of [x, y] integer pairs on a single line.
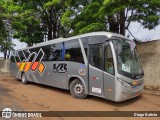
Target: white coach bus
[[101, 64]]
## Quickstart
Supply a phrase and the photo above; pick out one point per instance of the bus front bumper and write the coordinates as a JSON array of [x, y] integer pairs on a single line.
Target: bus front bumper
[[123, 93]]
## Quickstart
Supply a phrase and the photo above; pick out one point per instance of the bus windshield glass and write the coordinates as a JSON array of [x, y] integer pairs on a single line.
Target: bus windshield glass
[[128, 62]]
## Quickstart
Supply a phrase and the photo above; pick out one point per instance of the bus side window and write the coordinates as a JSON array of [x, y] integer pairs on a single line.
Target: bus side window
[[95, 56], [12, 57], [56, 51], [26, 53], [73, 51], [109, 65]]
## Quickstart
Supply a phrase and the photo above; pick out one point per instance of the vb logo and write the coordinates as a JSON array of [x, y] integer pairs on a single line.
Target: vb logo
[[60, 68]]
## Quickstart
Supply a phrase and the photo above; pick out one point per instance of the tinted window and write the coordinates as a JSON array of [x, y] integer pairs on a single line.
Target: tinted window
[[56, 50], [95, 55], [21, 55], [17, 57], [52, 52], [32, 55], [109, 65], [39, 54], [46, 50], [26, 53], [12, 56], [72, 51], [66, 51]]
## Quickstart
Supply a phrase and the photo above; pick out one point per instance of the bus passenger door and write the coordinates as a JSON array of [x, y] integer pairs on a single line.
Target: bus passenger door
[[109, 73], [95, 70], [14, 64]]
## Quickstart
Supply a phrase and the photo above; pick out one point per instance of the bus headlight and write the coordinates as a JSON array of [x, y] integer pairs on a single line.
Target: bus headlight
[[124, 83]]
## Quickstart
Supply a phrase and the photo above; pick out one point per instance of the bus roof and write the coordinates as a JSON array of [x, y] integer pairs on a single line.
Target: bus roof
[[107, 34]]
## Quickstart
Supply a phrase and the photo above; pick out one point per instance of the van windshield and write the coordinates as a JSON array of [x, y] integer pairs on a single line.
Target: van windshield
[[128, 62]]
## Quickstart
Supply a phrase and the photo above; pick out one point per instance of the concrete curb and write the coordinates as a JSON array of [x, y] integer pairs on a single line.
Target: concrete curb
[[152, 92], [5, 65]]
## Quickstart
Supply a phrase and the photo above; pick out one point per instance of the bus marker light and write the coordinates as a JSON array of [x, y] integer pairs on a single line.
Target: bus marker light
[[109, 90], [135, 83], [95, 78]]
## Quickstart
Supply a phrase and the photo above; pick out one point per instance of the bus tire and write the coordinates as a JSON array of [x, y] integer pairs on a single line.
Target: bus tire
[[23, 78], [77, 89]]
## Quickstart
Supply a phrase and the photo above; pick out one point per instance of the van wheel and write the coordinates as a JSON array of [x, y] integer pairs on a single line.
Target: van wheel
[[23, 78], [77, 89]]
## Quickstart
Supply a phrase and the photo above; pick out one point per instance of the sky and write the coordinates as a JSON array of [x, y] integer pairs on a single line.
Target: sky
[[137, 30], [144, 34]]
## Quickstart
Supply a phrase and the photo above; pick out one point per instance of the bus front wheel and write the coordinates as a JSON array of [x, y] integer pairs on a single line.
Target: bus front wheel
[[77, 89], [23, 78]]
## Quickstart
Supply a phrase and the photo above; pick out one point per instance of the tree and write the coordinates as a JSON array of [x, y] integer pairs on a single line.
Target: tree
[[110, 15], [34, 21], [89, 19], [37, 20], [82, 17], [72, 19], [25, 22], [5, 31], [55, 9], [122, 12]]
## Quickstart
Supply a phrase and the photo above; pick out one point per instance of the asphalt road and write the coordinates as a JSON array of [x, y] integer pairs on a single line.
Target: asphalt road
[[30, 97]]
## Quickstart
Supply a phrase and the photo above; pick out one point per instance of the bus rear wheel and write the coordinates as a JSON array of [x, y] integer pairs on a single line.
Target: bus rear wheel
[[77, 89], [23, 78]]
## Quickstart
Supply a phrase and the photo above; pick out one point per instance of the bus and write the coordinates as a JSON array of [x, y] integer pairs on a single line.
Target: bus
[[102, 64]]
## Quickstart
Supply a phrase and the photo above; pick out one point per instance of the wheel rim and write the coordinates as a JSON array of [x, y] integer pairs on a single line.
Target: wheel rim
[[23, 78], [79, 89]]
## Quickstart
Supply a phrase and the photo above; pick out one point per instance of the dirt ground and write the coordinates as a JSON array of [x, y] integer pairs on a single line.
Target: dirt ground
[[30, 97]]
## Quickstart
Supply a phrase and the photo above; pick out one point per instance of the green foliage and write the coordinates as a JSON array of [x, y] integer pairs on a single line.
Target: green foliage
[[5, 30], [31, 20], [83, 19], [93, 27], [145, 12], [66, 18], [26, 22], [52, 3]]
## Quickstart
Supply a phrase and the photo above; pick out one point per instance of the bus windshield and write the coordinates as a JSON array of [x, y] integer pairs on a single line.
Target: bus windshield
[[128, 62]]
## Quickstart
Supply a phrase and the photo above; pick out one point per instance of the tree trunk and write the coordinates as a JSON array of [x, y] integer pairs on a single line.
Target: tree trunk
[[50, 33], [5, 54], [50, 24], [54, 24], [8, 54], [113, 24], [122, 22]]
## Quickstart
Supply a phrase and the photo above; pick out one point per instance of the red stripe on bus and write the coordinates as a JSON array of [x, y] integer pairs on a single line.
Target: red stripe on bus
[[34, 66]]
